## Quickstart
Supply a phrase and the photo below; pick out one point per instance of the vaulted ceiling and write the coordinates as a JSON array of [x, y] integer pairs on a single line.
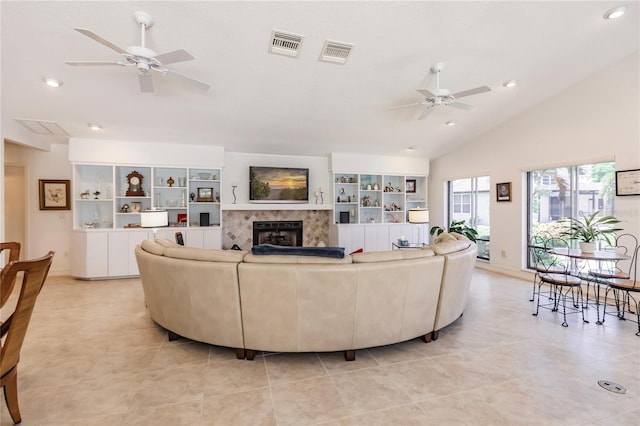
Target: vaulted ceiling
[[268, 103]]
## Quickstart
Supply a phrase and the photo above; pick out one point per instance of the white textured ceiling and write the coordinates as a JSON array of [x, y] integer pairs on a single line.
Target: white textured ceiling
[[265, 103]]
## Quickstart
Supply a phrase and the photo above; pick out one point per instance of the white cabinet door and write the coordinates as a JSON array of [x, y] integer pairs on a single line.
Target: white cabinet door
[[212, 238], [371, 238], [135, 238], [118, 249], [401, 230], [194, 238], [358, 240], [89, 254]]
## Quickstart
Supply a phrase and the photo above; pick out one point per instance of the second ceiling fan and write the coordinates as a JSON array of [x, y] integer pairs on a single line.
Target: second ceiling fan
[[439, 97]]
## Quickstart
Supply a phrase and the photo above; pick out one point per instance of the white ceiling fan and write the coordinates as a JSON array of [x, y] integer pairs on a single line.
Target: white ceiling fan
[[144, 59], [440, 96]]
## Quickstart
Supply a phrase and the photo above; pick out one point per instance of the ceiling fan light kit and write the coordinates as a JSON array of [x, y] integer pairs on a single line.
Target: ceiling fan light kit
[[440, 96], [143, 58], [510, 83]]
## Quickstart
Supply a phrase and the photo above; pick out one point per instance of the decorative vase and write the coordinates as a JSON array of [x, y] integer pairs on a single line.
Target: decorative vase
[[587, 247]]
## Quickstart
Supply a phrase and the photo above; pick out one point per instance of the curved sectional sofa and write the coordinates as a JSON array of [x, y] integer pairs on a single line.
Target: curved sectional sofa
[[286, 303]]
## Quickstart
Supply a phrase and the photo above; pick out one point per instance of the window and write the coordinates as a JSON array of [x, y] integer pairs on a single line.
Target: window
[[462, 203], [469, 200], [571, 191]]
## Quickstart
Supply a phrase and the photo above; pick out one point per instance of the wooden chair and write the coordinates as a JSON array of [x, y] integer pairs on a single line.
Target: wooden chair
[[13, 248], [34, 273]]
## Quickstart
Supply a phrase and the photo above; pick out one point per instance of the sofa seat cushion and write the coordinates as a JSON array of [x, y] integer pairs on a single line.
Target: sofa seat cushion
[[152, 247], [205, 255], [391, 255], [277, 258], [270, 249]]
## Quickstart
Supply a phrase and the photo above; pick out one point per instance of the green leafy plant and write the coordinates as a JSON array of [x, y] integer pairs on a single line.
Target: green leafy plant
[[589, 229], [456, 226]]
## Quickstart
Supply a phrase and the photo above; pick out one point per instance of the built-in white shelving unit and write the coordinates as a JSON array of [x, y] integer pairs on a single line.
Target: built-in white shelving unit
[[376, 198]]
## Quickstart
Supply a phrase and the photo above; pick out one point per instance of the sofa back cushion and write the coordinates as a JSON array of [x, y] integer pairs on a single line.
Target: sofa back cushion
[[205, 255], [278, 258], [152, 247], [165, 242], [452, 242], [391, 255]]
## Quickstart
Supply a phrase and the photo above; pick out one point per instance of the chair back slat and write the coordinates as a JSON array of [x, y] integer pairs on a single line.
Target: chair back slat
[[34, 274], [13, 248]]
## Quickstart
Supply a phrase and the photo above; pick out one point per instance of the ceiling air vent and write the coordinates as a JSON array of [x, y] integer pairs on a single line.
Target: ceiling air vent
[[285, 43], [335, 52], [42, 127]]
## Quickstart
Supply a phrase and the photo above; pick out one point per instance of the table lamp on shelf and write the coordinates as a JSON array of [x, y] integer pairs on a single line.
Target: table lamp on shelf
[[154, 219], [419, 217]]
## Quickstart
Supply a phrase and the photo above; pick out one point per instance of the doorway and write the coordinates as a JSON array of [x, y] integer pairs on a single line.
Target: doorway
[[15, 209]]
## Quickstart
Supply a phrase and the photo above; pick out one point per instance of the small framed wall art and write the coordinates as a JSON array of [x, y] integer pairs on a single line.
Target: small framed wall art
[[410, 185], [54, 194], [628, 182], [503, 191], [205, 195]]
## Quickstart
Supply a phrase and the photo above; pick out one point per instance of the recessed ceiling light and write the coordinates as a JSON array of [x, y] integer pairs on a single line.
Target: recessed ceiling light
[[510, 83], [94, 126], [615, 12], [450, 123], [411, 148], [52, 82]]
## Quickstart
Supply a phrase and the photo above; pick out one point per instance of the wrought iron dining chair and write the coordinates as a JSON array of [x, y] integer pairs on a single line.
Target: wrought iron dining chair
[[542, 261], [616, 269], [561, 281], [13, 251], [34, 274], [624, 292]]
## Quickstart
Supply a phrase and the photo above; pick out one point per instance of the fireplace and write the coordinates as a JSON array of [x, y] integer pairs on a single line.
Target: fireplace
[[280, 233]]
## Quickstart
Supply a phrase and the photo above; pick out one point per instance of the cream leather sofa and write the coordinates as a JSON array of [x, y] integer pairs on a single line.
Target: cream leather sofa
[[287, 303]]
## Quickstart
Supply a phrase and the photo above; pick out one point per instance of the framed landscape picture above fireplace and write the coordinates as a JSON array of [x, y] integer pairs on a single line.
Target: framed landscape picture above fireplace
[[278, 185]]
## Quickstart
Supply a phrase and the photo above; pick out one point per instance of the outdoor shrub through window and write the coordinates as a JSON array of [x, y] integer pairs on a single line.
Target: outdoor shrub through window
[[572, 191], [469, 200]]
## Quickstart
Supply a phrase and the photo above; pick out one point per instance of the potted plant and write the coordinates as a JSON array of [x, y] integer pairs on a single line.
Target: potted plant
[[456, 226], [587, 230]]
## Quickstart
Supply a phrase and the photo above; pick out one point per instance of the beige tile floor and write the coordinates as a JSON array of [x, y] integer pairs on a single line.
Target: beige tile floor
[[93, 357]]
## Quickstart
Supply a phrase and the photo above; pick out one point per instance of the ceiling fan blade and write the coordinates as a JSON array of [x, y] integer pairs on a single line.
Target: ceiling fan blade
[[427, 93], [146, 83], [425, 113], [462, 106], [199, 84], [476, 91], [404, 106], [100, 40], [173, 57], [92, 63]]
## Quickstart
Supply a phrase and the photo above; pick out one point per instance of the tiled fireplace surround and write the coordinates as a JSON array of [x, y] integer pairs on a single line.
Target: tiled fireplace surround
[[237, 225]]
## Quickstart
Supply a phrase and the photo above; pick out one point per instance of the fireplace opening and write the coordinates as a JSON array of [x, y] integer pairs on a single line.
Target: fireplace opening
[[279, 233]]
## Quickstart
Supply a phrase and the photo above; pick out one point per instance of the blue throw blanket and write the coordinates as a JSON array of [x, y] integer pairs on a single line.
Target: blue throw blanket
[[335, 252]]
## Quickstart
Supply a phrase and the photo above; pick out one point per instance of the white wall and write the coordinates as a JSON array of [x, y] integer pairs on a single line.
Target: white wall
[[595, 120], [46, 230], [236, 170]]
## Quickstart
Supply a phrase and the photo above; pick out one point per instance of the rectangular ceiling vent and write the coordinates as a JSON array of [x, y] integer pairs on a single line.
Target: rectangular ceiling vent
[[336, 52], [42, 127], [286, 44]]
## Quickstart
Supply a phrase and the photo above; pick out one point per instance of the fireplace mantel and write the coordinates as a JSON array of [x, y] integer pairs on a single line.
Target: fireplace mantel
[[283, 206]]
